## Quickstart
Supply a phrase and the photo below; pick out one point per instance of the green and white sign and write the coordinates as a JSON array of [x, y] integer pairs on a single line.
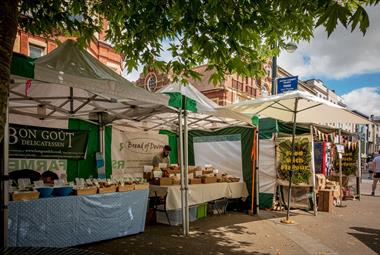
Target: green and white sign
[[48, 143]]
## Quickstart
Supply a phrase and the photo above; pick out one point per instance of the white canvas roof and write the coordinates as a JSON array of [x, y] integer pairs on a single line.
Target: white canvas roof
[[311, 109], [70, 82], [209, 115]]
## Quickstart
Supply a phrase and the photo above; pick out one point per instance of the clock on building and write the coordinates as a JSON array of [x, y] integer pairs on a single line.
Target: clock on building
[[151, 82]]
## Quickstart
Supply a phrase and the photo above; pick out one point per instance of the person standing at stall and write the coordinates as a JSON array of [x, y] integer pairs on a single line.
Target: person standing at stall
[[162, 157], [376, 173]]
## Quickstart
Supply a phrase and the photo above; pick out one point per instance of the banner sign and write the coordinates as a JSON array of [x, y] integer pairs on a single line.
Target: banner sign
[[301, 166], [132, 151], [287, 84], [48, 143], [349, 159]]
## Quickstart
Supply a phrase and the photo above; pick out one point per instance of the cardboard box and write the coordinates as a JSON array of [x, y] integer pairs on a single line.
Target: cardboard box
[[24, 196], [325, 201], [195, 181], [209, 179], [86, 191], [107, 189], [141, 186], [125, 188], [320, 181], [166, 181]]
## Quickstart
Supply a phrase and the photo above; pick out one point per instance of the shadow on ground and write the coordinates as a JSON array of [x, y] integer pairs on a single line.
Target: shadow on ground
[[224, 234], [368, 236]]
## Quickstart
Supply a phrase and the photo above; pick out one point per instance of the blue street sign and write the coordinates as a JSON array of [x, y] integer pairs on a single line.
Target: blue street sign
[[287, 84]]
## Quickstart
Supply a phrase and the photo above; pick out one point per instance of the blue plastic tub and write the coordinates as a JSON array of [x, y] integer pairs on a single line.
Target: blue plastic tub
[[45, 191], [62, 191]]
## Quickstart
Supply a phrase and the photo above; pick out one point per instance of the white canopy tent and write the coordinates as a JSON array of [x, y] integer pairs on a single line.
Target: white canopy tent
[[70, 83], [207, 115], [310, 109], [298, 106]]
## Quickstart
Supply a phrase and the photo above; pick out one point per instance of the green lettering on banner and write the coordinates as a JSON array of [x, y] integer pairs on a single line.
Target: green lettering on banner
[[47, 143], [39, 165]]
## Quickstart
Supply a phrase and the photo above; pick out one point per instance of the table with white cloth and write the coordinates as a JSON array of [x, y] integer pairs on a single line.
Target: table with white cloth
[[200, 193]]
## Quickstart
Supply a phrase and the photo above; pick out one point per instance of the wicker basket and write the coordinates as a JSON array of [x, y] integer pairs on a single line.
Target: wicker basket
[[107, 189], [86, 191], [125, 188], [142, 186], [24, 196]]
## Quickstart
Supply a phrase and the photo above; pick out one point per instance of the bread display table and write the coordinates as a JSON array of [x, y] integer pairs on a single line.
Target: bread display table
[[73, 220], [200, 193]]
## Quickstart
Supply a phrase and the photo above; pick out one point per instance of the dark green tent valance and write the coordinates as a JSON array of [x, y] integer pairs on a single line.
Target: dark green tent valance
[[22, 65], [269, 126], [177, 100]]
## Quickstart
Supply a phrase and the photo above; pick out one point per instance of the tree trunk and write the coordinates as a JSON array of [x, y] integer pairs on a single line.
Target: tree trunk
[[8, 30]]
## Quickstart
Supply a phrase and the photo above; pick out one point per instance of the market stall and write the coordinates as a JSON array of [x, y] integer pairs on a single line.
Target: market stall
[[56, 97], [297, 106], [195, 112]]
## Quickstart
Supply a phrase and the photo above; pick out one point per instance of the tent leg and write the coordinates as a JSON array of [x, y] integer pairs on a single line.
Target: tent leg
[[292, 157], [257, 172], [4, 153], [340, 173], [186, 179], [314, 194], [182, 172]]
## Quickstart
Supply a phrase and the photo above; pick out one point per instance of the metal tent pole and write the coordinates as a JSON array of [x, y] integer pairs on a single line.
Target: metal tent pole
[[340, 172], [182, 172], [186, 179], [359, 177], [314, 194], [257, 171], [292, 157]]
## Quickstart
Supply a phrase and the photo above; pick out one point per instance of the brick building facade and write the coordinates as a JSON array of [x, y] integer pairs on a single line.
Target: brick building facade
[[232, 89], [37, 46]]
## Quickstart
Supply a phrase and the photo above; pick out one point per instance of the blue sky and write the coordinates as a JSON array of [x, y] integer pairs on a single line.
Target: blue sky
[[345, 85], [347, 62]]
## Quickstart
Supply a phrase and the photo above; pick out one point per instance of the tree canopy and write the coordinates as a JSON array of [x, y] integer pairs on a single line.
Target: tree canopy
[[234, 36]]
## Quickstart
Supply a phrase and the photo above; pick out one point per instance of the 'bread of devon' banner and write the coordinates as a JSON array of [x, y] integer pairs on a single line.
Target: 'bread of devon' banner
[[40, 142]]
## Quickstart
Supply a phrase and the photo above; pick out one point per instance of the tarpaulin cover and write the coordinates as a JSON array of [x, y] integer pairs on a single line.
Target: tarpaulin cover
[[267, 172], [270, 126], [246, 144], [74, 220]]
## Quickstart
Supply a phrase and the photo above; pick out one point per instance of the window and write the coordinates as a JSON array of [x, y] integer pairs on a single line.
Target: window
[[215, 100], [36, 51], [151, 82]]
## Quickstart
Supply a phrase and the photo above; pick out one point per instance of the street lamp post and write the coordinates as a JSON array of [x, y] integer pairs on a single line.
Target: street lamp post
[[290, 48]]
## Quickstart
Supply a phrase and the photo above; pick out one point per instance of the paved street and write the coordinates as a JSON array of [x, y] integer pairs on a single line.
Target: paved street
[[354, 229]]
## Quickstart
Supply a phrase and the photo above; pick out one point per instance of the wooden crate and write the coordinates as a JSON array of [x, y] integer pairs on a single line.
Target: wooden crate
[[164, 181], [86, 191], [24, 196], [142, 186], [325, 200], [107, 189], [195, 181], [209, 179], [125, 188]]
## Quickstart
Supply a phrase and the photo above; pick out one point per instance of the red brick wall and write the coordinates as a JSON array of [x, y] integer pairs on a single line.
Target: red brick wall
[[101, 50]]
